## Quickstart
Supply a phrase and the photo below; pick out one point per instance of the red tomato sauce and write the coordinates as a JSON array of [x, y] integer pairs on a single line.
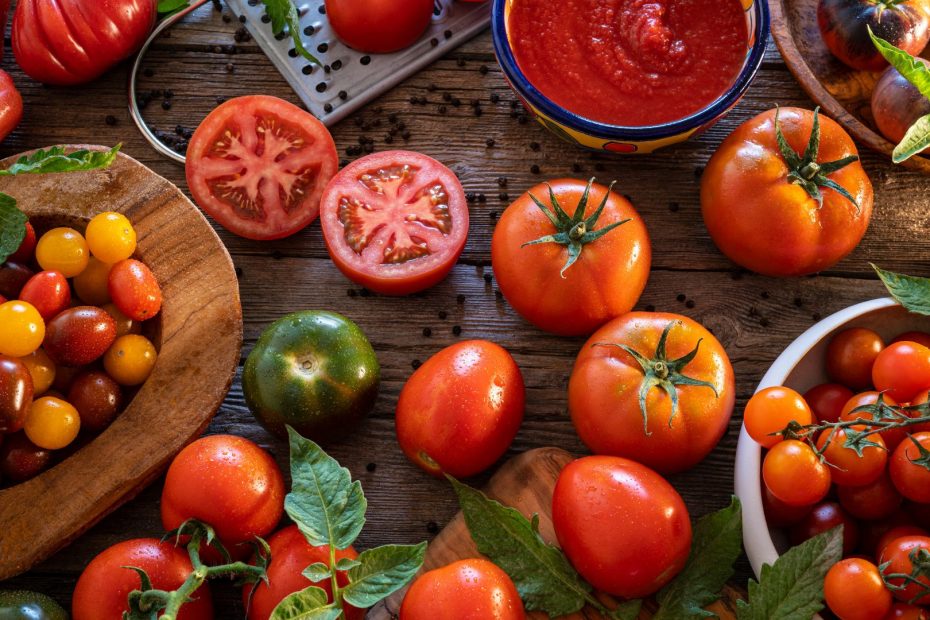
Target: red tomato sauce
[[630, 62]]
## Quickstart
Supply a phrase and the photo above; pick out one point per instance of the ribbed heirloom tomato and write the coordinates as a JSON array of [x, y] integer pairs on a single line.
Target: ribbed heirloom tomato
[[11, 112], [654, 387], [472, 589], [569, 256]]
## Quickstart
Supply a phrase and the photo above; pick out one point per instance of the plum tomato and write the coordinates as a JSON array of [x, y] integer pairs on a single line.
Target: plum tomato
[[870, 502], [130, 359], [134, 289], [92, 284], [52, 423], [48, 292], [23, 605], [780, 514], [111, 237], [789, 462], [854, 590], [472, 589], [21, 329], [258, 166], [42, 369], [11, 103], [771, 410], [896, 105], [124, 324], [459, 411], [395, 222], [226, 481], [379, 26], [826, 401], [97, 398], [102, 590], [850, 356], [79, 335], [895, 533], [844, 26], [909, 468], [20, 459], [654, 387], [27, 246], [884, 410], [918, 337], [898, 554], [751, 187], [13, 276], [851, 466], [577, 264], [822, 518], [621, 525], [902, 370], [63, 250], [16, 391], [314, 370], [290, 555]]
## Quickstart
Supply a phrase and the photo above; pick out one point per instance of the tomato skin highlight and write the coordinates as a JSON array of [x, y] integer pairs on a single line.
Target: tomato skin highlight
[[471, 589], [11, 112], [79, 335], [134, 289], [911, 480], [897, 554], [902, 370], [379, 26], [854, 590], [48, 292], [771, 410], [16, 392], [789, 461]]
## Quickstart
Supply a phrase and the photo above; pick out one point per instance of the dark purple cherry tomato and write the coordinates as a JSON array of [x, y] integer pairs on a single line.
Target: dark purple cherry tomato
[[844, 25], [79, 335], [48, 292], [15, 394], [97, 398], [20, 459], [896, 104], [823, 517], [13, 276]]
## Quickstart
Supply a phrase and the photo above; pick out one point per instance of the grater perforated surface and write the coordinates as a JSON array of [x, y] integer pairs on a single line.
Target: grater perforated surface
[[349, 79]]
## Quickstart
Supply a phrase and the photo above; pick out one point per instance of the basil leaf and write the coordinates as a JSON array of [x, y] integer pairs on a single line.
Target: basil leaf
[[317, 572], [914, 141], [717, 543], [167, 7], [325, 504], [12, 226], [284, 13], [911, 68], [56, 160], [381, 572], [792, 588], [307, 604], [911, 292], [543, 576]]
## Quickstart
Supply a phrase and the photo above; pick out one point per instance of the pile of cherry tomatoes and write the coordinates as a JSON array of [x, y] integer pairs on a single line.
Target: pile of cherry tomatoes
[[872, 478], [71, 348]]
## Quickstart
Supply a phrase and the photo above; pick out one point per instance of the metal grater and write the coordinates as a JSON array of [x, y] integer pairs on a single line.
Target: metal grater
[[349, 79]]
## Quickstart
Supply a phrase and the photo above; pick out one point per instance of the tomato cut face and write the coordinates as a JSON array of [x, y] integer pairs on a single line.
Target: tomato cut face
[[395, 222], [258, 166]]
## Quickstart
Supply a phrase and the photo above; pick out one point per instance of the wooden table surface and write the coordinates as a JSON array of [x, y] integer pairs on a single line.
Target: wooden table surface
[[753, 316]]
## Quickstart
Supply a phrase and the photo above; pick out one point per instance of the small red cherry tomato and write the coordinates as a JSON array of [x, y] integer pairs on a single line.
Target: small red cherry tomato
[[79, 335], [48, 292], [902, 370], [854, 590], [827, 399], [134, 289]]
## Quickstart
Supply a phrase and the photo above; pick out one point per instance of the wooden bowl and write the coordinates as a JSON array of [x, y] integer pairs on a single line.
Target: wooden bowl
[[843, 93], [199, 340]]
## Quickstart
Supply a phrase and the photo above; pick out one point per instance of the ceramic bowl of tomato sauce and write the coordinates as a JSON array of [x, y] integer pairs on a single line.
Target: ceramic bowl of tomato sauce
[[629, 76]]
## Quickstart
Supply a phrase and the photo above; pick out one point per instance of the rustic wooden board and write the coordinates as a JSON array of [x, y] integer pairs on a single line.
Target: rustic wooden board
[[198, 337]]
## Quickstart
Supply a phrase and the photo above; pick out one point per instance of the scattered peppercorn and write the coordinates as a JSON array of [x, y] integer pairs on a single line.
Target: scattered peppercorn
[[371, 467], [534, 169], [415, 364], [456, 330]]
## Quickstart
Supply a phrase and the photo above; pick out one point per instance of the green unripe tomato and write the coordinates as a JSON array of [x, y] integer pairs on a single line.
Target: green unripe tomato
[[25, 605]]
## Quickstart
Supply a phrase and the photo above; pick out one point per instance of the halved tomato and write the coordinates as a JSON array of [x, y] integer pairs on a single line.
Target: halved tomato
[[258, 166], [395, 222]]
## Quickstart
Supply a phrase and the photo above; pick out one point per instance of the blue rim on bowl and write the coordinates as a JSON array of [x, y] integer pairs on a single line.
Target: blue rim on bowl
[[559, 114]]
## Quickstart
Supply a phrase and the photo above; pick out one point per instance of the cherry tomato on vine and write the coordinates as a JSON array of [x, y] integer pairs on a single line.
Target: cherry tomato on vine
[[871, 502], [111, 237], [48, 292], [379, 26], [770, 410], [850, 466], [902, 370], [63, 250], [824, 517], [134, 289], [850, 356], [895, 533], [130, 359], [898, 554], [92, 284], [826, 401], [854, 590], [789, 461], [472, 589], [887, 410], [21, 329], [909, 468]]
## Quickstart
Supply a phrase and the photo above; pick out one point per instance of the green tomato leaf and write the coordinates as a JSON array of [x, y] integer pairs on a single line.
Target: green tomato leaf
[[344, 564], [543, 576], [717, 543], [12, 226], [307, 604], [284, 13], [912, 292], [914, 141], [317, 572], [56, 160], [792, 588], [324, 502], [381, 572], [911, 68], [167, 7]]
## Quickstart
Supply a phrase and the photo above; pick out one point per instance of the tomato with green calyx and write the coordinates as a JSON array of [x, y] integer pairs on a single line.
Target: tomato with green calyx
[[24, 605], [569, 256], [771, 410], [850, 356], [909, 467], [314, 370], [792, 171], [79, 335], [875, 406], [789, 461], [908, 568], [895, 533], [844, 25], [861, 463], [654, 387], [16, 391], [472, 589], [854, 590]]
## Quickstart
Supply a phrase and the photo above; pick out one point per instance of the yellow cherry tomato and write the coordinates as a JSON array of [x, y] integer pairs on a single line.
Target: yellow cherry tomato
[[42, 369], [52, 423], [124, 325], [63, 250], [130, 359], [21, 329], [91, 284], [111, 237]]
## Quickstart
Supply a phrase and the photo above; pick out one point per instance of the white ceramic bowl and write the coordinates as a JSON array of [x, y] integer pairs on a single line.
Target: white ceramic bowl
[[802, 366]]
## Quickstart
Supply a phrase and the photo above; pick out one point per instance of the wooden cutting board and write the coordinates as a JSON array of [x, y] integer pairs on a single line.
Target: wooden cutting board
[[526, 483]]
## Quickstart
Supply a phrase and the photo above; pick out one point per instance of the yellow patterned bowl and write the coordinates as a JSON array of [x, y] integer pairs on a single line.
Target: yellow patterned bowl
[[617, 138]]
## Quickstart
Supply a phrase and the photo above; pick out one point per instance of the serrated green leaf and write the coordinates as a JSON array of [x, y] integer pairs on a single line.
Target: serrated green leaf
[[543, 576], [283, 13], [345, 564], [12, 226], [792, 588], [911, 292], [716, 544], [307, 604], [914, 141], [911, 68], [381, 572], [317, 572], [324, 502], [56, 160]]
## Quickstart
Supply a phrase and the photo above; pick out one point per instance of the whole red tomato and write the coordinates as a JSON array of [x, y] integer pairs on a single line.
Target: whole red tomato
[[824, 517], [826, 401], [850, 356], [900, 554], [74, 41], [103, 588], [379, 26], [902, 370], [854, 590], [48, 292], [228, 482], [622, 526], [544, 283], [654, 387], [908, 473], [11, 105], [134, 289], [290, 555], [778, 212], [472, 589], [460, 410]]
